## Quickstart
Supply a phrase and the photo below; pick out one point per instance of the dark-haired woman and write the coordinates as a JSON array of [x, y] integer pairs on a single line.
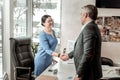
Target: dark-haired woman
[[47, 45]]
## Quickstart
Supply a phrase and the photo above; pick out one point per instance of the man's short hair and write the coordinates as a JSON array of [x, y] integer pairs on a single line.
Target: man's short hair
[[91, 10]]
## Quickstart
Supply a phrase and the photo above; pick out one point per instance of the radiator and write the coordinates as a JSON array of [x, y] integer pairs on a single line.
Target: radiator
[[5, 76]]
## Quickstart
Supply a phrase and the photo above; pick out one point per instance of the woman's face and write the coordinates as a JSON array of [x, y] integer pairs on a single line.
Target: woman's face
[[49, 22]]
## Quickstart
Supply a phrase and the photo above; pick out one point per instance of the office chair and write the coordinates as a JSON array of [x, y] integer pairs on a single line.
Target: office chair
[[114, 78], [22, 58], [107, 61]]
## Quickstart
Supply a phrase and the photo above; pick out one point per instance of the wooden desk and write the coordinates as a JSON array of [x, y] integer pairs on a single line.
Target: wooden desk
[[66, 71]]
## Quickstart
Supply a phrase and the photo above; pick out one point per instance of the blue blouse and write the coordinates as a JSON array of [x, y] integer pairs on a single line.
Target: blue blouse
[[43, 58]]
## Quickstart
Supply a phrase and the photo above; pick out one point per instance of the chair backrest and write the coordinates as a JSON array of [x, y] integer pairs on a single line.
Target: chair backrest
[[21, 52], [107, 61]]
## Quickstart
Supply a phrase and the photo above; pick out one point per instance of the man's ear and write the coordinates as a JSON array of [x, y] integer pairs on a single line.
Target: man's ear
[[86, 15]]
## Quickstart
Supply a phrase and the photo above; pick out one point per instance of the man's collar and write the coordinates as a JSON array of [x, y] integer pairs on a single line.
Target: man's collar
[[87, 22]]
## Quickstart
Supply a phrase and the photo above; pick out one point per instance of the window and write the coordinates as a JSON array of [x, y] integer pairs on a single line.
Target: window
[[20, 10], [42, 7]]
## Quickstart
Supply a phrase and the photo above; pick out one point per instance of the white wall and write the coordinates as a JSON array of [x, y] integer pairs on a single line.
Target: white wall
[[71, 26], [71, 19]]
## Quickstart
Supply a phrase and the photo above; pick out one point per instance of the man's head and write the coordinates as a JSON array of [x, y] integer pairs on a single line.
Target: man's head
[[88, 12]]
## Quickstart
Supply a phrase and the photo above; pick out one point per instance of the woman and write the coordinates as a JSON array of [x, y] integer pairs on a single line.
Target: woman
[[48, 42]]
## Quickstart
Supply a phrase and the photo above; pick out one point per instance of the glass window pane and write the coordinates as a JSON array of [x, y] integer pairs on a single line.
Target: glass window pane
[[42, 7], [20, 11]]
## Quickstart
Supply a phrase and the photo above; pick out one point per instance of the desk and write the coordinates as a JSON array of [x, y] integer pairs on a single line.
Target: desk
[[66, 71], [110, 72]]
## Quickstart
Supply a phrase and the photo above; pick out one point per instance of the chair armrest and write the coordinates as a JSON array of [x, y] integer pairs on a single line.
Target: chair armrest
[[27, 68]]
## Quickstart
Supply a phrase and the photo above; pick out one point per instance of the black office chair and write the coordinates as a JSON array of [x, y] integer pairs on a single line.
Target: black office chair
[[107, 61], [22, 58], [114, 78]]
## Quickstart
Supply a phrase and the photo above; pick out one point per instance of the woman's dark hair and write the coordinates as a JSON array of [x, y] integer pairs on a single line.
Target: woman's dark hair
[[43, 19]]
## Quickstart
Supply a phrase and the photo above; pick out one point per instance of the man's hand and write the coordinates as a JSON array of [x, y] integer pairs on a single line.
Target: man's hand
[[64, 57]]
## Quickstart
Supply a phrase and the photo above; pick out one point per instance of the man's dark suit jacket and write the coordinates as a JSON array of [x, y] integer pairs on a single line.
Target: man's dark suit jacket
[[87, 53]]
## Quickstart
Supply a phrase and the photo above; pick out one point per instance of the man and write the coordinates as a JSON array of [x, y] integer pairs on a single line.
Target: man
[[87, 48]]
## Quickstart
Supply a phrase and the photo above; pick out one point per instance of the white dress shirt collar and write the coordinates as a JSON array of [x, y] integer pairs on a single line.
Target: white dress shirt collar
[[84, 25]]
